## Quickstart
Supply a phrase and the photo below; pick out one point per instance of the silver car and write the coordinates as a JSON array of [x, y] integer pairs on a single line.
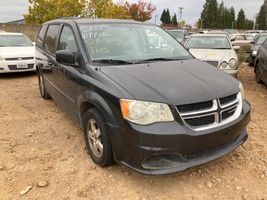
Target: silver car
[[215, 49]]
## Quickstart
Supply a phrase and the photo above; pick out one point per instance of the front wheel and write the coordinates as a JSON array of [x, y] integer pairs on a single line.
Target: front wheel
[[42, 88], [97, 138]]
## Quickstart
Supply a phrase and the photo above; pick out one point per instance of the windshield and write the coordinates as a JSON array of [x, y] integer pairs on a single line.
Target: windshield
[[14, 40], [177, 34], [231, 31], [130, 42], [261, 39], [208, 42]]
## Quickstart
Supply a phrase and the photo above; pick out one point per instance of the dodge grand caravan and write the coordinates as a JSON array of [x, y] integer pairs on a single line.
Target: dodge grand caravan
[[141, 98]]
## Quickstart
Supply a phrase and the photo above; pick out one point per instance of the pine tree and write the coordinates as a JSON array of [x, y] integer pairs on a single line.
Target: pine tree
[[232, 17], [221, 17], [210, 14], [262, 18], [240, 22], [168, 17], [163, 17], [174, 20]]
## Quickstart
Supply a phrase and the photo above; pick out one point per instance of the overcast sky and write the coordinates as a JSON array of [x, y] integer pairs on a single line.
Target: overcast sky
[[14, 9]]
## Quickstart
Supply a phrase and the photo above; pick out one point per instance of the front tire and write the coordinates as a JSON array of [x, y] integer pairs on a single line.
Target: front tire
[[97, 138], [43, 91]]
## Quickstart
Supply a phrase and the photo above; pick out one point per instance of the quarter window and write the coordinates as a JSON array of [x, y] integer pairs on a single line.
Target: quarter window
[[67, 40], [50, 39]]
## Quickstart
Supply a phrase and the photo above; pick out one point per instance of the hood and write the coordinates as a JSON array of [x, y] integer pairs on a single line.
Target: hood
[[213, 54], [174, 82], [11, 52]]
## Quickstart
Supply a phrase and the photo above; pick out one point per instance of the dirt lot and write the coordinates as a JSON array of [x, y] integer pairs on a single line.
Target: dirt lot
[[42, 155]]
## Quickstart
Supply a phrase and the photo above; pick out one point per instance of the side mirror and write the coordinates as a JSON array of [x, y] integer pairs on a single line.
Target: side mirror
[[252, 42], [186, 37], [66, 57], [236, 48], [232, 39]]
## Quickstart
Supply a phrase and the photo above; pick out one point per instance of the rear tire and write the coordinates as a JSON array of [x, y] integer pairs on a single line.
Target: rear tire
[[43, 91], [97, 138]]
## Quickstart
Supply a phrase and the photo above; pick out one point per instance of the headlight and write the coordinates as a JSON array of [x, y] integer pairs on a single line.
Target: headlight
[[254, 53], [223, 65], [242, 91], [144, 113], [233, 63]]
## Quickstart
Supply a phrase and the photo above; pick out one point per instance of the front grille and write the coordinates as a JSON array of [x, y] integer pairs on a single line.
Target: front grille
[[201, 121], [228, 113], [19, 58], [212, 62], [228, 99], [195, 106], [208, 114], [15, 67]]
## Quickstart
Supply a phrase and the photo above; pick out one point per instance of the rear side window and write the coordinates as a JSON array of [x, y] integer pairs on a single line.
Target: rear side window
[[51, 37], [41, 36], [67, 40]]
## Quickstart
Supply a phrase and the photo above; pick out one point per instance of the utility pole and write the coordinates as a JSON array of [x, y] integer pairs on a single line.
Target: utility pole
[[181, 13]]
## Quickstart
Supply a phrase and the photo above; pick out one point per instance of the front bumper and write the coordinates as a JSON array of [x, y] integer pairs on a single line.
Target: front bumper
[[232, 72], [17, 66], [170, 147]]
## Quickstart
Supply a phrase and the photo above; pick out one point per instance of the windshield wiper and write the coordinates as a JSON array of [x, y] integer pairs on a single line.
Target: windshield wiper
[[159, 59], [113, 61]]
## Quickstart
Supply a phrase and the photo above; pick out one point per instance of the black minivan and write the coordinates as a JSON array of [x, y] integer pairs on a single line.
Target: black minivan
[[142, 99]]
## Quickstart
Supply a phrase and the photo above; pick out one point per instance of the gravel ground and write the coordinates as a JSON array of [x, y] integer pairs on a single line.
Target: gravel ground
[[42, 155]]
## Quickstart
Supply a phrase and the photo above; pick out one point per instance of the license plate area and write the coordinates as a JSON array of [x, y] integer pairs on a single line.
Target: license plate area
[[22, 66]]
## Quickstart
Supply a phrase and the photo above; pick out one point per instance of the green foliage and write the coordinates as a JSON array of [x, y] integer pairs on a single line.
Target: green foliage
[[168, 17], [174, 20], [163, 17], [262, 18], [41, 11], [210, 14], [105, 9], [216, 16], [241, 20]]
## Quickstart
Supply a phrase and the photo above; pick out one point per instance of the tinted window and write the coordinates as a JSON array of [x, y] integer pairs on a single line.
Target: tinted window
[[67, 40], [41, 36], [50, 39]]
